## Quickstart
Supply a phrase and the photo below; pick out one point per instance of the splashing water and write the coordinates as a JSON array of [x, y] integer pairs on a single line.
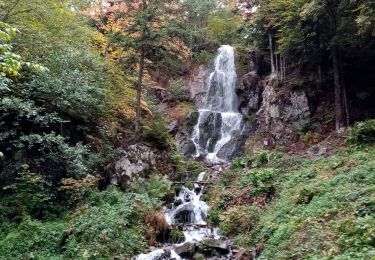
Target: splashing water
[[219, 121], [189, 212]]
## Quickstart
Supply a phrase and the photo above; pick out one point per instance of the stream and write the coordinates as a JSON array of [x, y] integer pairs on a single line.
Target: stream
[[188, 213]]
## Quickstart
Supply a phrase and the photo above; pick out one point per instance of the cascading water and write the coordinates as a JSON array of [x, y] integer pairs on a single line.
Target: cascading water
[[189, 213], [214, 135], [219, 121]]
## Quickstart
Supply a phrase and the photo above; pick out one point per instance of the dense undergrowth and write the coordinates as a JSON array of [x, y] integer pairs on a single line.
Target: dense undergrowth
[[108, 224], [290, 207]]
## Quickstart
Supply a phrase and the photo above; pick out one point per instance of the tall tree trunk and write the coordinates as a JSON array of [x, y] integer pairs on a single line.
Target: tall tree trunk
[[271, 53], [139, 93], [339, 91]]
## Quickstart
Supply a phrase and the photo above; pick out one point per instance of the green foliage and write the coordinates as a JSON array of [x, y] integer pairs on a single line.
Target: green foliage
[[156, 133], [239, 219], [222, 31], [33, 239], [214, 216], [154, 187], [363, 133], [176, 236], [110, 226], [261, 180], [178, 91], [321, 208], [238, 163]]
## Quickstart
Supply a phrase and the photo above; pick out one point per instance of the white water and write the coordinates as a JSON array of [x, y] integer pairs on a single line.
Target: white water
[[194, 226], [221, 104]]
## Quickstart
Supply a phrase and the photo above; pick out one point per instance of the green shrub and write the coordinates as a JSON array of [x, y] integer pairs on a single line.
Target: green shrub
[[156, 133], [214, 216], [176, 236], [33, 240], [362, 133], [261, 180], [178, 91], [238, 163], [110, 226], [154, 187]]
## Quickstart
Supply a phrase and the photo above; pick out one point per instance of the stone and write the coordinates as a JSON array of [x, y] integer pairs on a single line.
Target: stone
[[173, 127], [250, 93], [215, 244], [185, 248], [135, 163]]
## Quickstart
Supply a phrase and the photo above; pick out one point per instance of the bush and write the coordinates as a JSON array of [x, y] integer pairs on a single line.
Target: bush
[[362, 133], [33, 240], [157, 134], [261, 180], [110, 226], [178, 91]]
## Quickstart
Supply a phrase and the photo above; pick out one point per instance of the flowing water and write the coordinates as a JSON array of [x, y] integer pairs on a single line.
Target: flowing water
[[219, 122], [214, 136], [189, 213]]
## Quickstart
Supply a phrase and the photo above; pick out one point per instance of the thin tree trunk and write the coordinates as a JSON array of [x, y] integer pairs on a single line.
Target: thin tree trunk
[[139, 93], [107, 46], [271, 53], [339, 106]]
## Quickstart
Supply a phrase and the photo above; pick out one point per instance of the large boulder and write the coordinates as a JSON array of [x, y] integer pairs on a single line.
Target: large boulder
[[135, 163]]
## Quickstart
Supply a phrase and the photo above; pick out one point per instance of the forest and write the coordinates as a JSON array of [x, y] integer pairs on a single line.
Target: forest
[[187, 129]]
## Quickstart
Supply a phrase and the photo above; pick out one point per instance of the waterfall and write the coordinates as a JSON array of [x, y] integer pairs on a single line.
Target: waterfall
[[189, 213], [219, 122]]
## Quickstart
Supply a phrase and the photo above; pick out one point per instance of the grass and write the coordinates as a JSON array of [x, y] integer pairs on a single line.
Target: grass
[[306, 208]]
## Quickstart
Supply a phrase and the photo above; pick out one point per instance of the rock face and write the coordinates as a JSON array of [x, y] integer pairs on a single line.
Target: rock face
[[283, 112], [249, 92], [134, 164], [197, 85]]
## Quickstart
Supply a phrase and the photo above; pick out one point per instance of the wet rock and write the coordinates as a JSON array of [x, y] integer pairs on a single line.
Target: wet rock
[[221, 245], [177, 202], [185, 249], [197, 189], [135, 163], [188, 147]]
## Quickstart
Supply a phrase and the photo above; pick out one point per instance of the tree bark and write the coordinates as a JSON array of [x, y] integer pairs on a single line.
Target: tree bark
[[339, 91], [271, 53], [139, 93]]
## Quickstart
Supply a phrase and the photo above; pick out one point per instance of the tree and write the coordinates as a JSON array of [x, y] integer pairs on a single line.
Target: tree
[[152, 29]]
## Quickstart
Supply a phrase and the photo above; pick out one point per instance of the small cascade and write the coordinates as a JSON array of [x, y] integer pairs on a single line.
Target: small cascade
[[189, 214], [219, 122]]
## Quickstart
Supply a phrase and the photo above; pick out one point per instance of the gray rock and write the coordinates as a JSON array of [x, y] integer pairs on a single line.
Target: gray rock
[[134, 164], [249, 93], [283, 113], [185, 248], [215, 243]]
